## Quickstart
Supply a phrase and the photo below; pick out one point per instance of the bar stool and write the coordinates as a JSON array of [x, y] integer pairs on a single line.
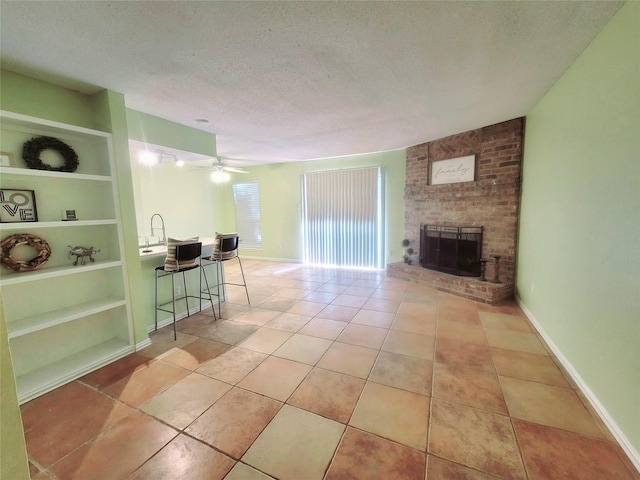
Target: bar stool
[[225, 249], [186, 259]]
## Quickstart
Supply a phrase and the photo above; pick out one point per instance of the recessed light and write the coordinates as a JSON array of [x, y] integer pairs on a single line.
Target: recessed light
[[203, 121]]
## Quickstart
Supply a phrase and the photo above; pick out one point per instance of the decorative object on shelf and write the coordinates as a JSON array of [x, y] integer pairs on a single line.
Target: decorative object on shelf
[[32, 149], [405, 244], [409, 255], [17, 206], [69, 216], [5, 159], [497, 269], [483, 267], [81, 252], [40, 245]]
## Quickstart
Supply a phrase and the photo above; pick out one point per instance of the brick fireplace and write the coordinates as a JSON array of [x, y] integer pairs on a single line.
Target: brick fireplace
[[491, 201]]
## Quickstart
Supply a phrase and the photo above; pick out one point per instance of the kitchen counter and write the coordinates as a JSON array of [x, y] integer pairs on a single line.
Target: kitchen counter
[[158, 251]]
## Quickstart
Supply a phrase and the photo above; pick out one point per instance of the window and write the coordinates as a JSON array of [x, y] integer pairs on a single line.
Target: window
[[246, 197], [342, 218]]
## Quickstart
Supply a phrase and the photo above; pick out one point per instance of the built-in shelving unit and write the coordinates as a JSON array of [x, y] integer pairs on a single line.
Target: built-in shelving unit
[[65, 320]]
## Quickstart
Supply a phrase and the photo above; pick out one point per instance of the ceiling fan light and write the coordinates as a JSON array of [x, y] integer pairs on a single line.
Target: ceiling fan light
[[179, 162], [219, 176]]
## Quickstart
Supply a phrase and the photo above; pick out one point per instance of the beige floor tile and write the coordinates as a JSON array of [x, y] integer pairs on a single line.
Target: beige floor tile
[[304, 307], [462, 332], [545, 450], [336, 312], [303, 349], [513, 340], [288, 322], [528, 366], [228, 331], [412, 344], [233, 365], [235, 421], [395, 414], [185, 458], [363, 335], [183, 402], [382, 305], [295, 293], [265, 340], [441, 469], [396, 295], [349, 301], [463, 354], [278, 304], [194, 354], [468, 386], [329, 394], [359, 291], [321, 297], [296, 445], [504, 321], [373, 318], [245, 472], [350, 359], [403, 372], [413, 324], [362, 455], [323, 328], [548, 405], [276, 378], [256, 316], [475, 438]]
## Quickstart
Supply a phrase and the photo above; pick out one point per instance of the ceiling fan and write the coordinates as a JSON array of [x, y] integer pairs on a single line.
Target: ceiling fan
[[219, 169]]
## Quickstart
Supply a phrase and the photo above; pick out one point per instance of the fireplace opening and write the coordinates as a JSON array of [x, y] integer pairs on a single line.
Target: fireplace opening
[[454, 250]]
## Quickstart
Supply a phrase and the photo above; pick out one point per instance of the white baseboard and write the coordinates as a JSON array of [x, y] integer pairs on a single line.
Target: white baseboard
[[143, 344], [622, 439]]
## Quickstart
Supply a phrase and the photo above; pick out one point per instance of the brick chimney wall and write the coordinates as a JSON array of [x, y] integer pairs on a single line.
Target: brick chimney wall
[[491, 201]]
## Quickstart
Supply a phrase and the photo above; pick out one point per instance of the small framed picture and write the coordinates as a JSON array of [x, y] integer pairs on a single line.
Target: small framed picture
[[69, 215], [17, 206], [6, 159]]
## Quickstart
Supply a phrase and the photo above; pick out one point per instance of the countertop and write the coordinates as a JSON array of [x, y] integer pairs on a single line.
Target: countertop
[[161, 250]]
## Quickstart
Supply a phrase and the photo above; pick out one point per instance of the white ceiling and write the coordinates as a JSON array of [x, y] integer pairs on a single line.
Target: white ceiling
[[287, 81]]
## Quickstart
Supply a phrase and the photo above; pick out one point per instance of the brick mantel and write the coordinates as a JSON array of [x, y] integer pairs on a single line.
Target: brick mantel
[[491, 201]]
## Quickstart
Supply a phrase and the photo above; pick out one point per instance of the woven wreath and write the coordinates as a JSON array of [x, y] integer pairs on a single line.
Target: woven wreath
[[12, 241], [32, 149]]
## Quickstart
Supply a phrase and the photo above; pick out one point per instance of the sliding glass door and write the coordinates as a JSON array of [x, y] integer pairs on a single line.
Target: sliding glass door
[[342, 217]]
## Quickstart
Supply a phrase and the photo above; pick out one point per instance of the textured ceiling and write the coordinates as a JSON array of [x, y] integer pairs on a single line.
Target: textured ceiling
[[285, 81]]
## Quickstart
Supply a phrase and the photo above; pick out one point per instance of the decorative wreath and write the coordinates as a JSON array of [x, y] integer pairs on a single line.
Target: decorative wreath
[[37, 243], [32, 149]]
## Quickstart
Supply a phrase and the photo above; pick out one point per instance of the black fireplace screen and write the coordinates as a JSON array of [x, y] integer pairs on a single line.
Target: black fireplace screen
[[455, 250]]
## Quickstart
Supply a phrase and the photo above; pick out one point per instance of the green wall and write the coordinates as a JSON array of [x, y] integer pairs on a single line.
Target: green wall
[[578, 261], [280, 213]]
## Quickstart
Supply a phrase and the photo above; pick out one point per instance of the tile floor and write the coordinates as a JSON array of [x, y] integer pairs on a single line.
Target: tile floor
[[329, 374]]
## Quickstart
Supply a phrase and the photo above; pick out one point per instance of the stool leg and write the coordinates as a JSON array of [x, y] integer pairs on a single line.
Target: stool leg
[[156, 301], [244, 281], [218, 268], [206, 282], [173, 297]]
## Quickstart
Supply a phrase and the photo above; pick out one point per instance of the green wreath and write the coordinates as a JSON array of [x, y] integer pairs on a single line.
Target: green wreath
[[32, 149], [40, 245]]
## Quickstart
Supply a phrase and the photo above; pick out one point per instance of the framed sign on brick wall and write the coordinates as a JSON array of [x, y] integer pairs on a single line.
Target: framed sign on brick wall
[[454, 170]]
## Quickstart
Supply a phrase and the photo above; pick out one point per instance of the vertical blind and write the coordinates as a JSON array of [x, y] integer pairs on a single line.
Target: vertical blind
[[246, 197], [342, 218]]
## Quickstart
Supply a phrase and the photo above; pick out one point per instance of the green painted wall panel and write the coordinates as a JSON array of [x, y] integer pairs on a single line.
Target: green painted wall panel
[[578, 261]]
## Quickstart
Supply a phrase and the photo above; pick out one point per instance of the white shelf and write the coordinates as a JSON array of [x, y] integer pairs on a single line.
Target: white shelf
[[37, 382], [26, 325], [57, 224], [53, 174], [23, 277]]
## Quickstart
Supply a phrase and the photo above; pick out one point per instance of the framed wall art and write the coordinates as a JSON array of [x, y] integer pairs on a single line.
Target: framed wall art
[[454, 170], [17, 206]]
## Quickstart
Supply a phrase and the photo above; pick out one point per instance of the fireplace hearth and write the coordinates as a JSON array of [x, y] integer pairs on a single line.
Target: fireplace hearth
[[453, 250]]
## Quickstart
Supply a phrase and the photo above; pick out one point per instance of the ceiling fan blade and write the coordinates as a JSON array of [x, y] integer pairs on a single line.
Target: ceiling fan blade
[[234, 170]]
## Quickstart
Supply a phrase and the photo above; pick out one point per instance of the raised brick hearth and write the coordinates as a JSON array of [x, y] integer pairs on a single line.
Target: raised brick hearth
[[469, 287], [491, 201]]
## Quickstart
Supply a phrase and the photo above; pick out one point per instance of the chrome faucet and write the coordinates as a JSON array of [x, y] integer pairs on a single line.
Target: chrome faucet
[[164, 235]]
